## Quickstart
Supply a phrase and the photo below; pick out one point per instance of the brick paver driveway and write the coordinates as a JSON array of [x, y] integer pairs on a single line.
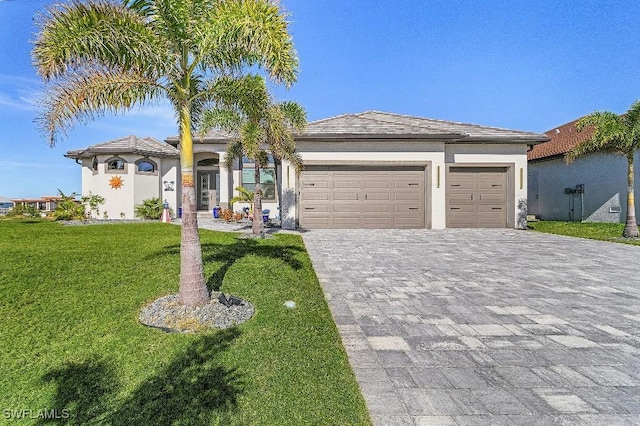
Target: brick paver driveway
[[493, 327]]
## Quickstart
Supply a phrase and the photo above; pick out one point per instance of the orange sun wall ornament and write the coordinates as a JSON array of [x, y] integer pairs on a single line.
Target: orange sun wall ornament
[[116, 182]]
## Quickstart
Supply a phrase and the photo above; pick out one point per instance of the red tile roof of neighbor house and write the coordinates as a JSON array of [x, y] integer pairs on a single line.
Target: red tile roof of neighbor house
[[563, 139]]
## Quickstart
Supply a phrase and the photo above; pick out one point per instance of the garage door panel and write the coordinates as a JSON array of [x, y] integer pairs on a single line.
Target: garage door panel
[[403, 196], [317, 184], [461, 186], [344, 196], [490, 186], [352, 184], [346, 221], [491, 198], [316, 208], [366, 197], [490, 208], [460, 198], [373, 196], [345, 208], [316, 196], [376, 184], [408, 208]]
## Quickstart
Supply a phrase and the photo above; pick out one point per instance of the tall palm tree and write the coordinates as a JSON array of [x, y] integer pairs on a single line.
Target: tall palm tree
[[617, 134], [261, 127], [99, 56]]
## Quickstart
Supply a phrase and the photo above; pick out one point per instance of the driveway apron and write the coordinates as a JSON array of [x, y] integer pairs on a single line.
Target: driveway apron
[[470, 326]]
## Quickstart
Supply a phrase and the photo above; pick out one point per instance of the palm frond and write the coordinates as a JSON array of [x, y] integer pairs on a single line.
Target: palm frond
[[251, 32], [234, 152], [78, 33], [609, 134], [80, 97]]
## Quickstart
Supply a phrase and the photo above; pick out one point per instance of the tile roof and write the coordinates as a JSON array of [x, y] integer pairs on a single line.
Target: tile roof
[[127, 145], [470, 132], [562, 140], [382, 125]]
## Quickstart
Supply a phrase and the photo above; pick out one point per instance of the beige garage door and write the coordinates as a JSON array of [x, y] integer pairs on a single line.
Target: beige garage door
[[362, 197], [477, 197]]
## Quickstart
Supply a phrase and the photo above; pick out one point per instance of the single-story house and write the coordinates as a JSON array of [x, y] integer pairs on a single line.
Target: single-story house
[[46, 203], [366, 170], [591, 189]]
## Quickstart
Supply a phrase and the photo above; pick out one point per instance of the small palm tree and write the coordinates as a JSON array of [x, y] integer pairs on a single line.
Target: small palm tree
[[104, 56], [245, 196], [617, 134], [261, 127]]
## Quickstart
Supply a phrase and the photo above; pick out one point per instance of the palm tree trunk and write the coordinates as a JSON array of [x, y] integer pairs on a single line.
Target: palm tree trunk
[[631, 227], [193, 289], [258, 227]]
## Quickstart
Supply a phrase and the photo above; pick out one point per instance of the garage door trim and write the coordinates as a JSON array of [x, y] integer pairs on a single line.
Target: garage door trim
[[510, 192]]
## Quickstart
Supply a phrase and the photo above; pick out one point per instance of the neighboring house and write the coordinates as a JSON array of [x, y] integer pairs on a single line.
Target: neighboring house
[[6, 204], [591, 189], [127, 171], [371, 170], [46, 204]]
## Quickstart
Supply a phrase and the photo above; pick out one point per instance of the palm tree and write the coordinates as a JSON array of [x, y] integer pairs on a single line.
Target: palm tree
[[618, 134], [261, 126], [99, 56]]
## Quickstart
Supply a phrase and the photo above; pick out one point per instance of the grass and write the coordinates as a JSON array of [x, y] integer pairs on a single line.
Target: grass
[[594, 231], [69, 299]]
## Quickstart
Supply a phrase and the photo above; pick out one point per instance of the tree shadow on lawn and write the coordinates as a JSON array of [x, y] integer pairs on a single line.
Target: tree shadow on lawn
[[228, 254], [194, 388]]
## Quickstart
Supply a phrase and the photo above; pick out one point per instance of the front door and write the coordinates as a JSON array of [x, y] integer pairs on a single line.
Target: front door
[[205, 184]]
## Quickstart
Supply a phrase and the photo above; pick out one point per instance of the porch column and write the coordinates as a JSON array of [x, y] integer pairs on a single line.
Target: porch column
[[226, 182]]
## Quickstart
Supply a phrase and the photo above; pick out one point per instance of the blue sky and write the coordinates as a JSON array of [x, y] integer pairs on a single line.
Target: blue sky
[[526, 65]]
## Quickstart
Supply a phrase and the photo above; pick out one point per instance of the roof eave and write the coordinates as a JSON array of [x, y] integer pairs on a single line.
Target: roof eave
[[379, 136]]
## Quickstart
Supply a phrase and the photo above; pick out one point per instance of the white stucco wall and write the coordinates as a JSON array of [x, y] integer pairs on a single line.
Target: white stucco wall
[[120, 203], [604, 177]]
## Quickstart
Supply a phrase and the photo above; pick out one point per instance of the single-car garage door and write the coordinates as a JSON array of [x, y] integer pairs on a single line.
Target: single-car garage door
[[477, 197], [362, 197]]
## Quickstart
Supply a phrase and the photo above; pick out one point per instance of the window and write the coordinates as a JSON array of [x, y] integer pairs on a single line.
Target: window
[[207, 162], [116, 165], [94, 165], [145, 166], [267, 181]]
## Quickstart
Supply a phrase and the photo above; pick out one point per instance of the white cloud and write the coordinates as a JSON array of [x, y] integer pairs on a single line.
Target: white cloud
[[21, 103]]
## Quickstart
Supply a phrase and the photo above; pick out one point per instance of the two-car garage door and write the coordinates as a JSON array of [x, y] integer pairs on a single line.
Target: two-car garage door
[[362, 197]]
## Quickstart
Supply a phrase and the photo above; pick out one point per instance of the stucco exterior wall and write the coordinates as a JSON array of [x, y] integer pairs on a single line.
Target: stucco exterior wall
[[604, 177], [120, 203]]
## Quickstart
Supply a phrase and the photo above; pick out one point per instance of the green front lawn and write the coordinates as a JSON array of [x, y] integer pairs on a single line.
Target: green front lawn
[[594, 231], [69, 300]]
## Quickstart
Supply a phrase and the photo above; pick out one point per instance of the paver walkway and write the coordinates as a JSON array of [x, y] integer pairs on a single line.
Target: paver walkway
[[489, 327]]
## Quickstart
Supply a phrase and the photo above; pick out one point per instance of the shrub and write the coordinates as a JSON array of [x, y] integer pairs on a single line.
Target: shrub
[[68, 208], [150, 209], [23, 211], [93, 201]]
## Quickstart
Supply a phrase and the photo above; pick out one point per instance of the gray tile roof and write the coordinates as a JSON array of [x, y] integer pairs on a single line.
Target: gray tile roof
[[383, 125], [380, 124], [128, 145]]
